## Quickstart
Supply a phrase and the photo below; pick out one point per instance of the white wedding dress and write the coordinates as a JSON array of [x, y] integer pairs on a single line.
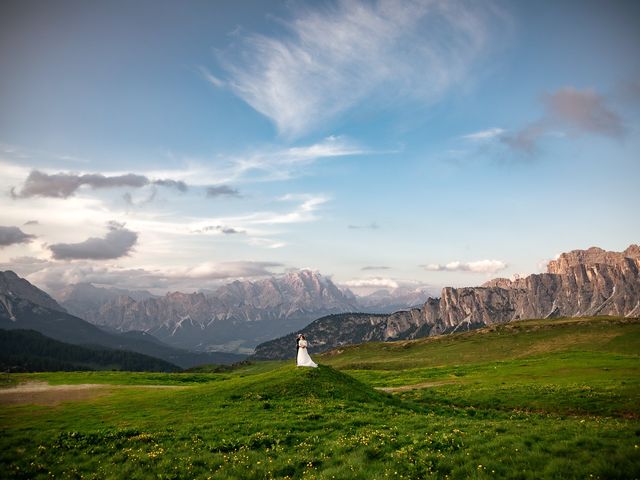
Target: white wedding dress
[[304, 360]]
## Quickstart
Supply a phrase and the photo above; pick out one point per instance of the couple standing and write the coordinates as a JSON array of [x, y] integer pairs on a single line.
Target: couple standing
[[303, 359]]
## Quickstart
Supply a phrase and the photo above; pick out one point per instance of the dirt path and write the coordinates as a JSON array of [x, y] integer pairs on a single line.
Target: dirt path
[[41, 393], [416, 386]]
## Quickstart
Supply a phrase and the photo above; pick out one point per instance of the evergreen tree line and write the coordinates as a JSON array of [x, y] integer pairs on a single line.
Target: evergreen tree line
[[30, 351]]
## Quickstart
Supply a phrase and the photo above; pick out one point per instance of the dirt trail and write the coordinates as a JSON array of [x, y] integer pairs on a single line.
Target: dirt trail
[[416, 386], [41, 393]]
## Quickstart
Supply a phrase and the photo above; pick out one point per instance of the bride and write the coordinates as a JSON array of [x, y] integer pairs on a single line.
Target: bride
[[304, 360]]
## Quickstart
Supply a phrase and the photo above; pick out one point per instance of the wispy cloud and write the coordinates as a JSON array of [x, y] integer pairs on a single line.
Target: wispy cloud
[[221, 229], [117, 243], [480, 266], [64, 185], [369, 226], [576, 112], [13, 235], [484, 134], [211, 78], [283, 164], [331, 58], [375, 267], [258, 227], [305, 211], [129, 200], [264, 242], [221, 191]]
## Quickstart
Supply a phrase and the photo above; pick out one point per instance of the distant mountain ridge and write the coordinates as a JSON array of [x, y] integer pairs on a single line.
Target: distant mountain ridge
[[578, 283], [25, 307], [392, 300], [235, 316]]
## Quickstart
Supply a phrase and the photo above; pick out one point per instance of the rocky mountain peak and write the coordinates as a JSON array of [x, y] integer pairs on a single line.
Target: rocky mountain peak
[[568, 261], [578, 283], [12, 286], [498, 283], [632, 251]]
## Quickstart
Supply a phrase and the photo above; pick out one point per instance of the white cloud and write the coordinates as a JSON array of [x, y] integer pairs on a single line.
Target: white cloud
[[480, 266], [484, 134], [331, 58], [266, 242], [211, 78], [304, 212], [372, 282]]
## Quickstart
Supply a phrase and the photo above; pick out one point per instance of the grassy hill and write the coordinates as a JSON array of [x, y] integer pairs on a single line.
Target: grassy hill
[[529, 400], [508, 341]]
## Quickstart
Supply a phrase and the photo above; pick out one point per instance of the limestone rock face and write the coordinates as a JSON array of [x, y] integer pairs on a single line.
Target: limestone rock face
[[578, 283]]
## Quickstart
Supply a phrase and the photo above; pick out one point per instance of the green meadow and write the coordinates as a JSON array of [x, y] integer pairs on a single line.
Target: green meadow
[[527, 400]]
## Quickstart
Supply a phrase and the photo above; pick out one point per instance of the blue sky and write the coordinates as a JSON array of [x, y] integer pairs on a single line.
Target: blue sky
[[177, 145]]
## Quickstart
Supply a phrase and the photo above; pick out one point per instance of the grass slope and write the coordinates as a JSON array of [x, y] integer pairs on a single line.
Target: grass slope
[[526, 403]]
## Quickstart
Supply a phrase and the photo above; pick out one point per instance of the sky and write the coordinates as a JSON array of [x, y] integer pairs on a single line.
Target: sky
[[170, 145]]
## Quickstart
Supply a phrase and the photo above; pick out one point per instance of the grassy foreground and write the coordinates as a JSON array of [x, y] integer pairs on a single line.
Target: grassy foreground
[[539, 399]]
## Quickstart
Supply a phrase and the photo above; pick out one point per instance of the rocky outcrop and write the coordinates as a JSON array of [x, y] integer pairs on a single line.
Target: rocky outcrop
[[578, 283]]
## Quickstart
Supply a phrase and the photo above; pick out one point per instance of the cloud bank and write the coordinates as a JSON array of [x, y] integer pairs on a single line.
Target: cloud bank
[[331, 58], [64, 185], [56, 275], [117, 243]]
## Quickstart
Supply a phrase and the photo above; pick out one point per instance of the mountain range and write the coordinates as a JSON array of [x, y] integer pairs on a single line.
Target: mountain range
[[578, 283], [25, 307], [235, 317]]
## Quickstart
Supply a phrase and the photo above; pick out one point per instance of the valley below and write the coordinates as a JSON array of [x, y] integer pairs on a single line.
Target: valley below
[[550, 398]]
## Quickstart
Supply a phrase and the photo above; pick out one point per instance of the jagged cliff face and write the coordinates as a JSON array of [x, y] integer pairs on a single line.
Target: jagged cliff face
[[237, 316], [84, 299], [578, 283]]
